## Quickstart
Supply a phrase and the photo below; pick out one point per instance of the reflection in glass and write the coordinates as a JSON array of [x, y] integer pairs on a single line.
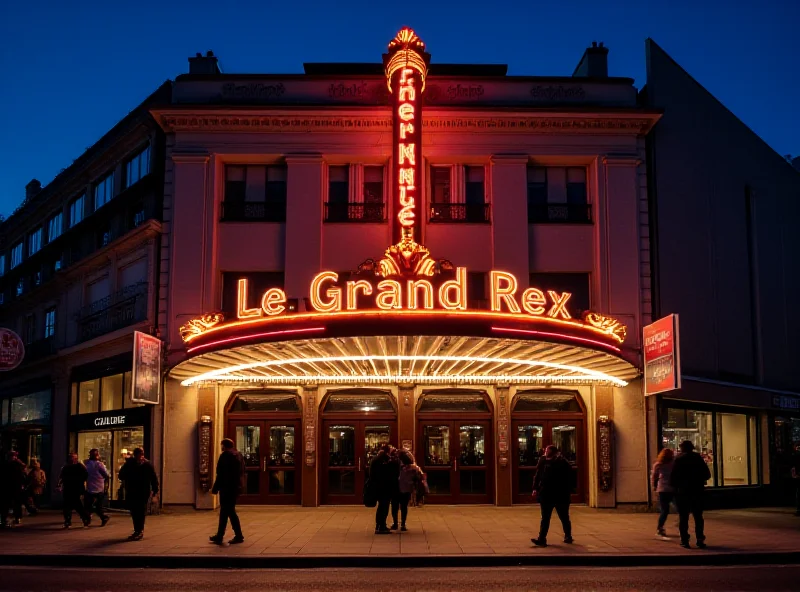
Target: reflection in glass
[[374, 438], [112, 392], [436, 443], [547, 402], [454, 401], [348, 403], [565, 439], [472, 445], [695, 426], [89, 396], [472, 482], [439, 482], [342, 482], [248, 443], [733, 451], [265, 403], [281, 482], [281, 446], [529, 442], [341, 446], [34, 407]]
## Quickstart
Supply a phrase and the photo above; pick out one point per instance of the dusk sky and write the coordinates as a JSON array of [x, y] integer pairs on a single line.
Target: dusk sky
[[71, 70]]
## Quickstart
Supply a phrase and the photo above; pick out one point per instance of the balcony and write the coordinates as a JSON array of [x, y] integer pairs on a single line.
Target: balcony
[[355, 212], [460, 213], [121, 309], [561, 213], [40, 349], [254, 211]]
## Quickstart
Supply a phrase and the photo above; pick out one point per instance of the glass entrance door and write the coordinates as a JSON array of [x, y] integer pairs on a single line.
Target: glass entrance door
[[348, 449], [456, 456], [531, 437], [268, 449]]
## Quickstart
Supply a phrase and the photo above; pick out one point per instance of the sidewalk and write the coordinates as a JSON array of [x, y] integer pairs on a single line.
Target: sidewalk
[[438, 535]]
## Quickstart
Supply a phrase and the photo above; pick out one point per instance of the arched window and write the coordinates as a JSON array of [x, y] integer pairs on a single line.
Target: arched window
[[547, 401], [358, 400], [454, 401], [265, 402]]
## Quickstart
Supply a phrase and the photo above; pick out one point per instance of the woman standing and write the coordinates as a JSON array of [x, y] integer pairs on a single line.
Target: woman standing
[[659, 478], [410, 474], [36, 482]]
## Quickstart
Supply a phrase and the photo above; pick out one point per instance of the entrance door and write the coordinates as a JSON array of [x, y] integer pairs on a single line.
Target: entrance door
[[268, 449], [348, 448], [530, 438], [456, 456]]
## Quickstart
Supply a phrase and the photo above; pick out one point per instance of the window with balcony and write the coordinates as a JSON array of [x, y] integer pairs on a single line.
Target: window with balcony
[[255, 193], [463, 202], [104, 191], [576, 284], [107, 313], [558, 195], [16, 254], [368, 204], [75, 211], [50, 323], [54, 227], [137, 167], [35, 241], [258, 282]]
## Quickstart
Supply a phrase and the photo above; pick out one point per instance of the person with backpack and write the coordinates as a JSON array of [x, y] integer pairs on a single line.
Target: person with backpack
[[410, 476], [228, 484], [552, 485], [689, 475], [36, 482]]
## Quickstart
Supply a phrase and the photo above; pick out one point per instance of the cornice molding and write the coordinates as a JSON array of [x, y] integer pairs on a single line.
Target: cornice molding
[[501, 159], [190, 157], [589, 123]]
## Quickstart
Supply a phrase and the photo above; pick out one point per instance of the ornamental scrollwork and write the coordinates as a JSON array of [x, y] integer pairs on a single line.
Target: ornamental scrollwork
[[606, 324], [200, 325]]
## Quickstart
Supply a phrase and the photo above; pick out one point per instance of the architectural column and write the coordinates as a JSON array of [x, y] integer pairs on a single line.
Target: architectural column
[[405, 418], [304, 206], [308, 455], [207, 406], [59, 417], [510, 215], [503, 466], [603, 408]]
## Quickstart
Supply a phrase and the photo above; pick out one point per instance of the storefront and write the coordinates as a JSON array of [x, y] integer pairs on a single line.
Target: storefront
[[784, 447]]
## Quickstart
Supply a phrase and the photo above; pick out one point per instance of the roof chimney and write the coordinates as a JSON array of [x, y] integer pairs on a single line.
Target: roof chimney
[[32, 188], [207, 64], [594, 63]]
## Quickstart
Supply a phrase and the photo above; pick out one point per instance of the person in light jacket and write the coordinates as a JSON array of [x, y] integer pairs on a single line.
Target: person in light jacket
[[96, 486], [36, 482], [659, 479]]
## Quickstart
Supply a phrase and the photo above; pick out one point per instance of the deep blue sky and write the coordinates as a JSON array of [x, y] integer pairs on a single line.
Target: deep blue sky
[[71, 70]]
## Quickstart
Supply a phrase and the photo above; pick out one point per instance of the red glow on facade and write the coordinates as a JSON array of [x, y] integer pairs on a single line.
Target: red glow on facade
[[556, 336], [254, 336]]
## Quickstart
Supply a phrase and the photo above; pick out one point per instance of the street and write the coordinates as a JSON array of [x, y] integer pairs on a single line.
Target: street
[[769, 577]]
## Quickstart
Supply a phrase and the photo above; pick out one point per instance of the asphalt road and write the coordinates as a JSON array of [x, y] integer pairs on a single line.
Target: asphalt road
[[742, 578]]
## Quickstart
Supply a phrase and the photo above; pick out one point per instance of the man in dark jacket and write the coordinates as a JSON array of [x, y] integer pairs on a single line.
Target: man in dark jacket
[[689, 475], [12, 487], [72, 483], [140, 480], [553, 486], [228, 484], [383, 477]]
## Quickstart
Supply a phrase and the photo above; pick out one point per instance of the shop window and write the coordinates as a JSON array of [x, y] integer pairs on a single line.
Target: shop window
[[111, 392], [695, 426], [261, 402], [89, 396], [547, 402], [32, 408], [358, 401], [258, 282], [454, 401], [102, 394], [576, 284]]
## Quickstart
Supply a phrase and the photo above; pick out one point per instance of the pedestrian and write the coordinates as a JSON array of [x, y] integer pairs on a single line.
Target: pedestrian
[[35, 484], [140, 480], [689, 475], [228, 484], [381, 475], [659, 479], [12, 488], [96, 486], [393, 479], [410, 476], [72, 484], [796, 479], [552, 485]]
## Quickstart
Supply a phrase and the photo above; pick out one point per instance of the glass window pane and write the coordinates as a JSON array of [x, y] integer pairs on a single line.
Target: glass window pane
[[695, 426], [34, 407], [472, 445], [440, 184], [755, 478], [99, 440], [73, 399], [124, 442], [439, 482], [4, 412], [472, 482], [248, 443], [111, 393], [281, 446], [262, 402], [281, 482], [341, 446], [546, 401], [565, 438], [733, 435], [366, 401], [341, 482], [89, 397], [474, 174], [436, 444], [529, 442], [455, 401], [374, 438]]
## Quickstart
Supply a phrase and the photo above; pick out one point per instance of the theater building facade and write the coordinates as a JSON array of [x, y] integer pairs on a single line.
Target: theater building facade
[[442, 257]]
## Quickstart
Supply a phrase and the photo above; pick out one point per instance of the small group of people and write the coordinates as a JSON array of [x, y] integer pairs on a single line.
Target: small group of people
[[20, 486], [394, 477]]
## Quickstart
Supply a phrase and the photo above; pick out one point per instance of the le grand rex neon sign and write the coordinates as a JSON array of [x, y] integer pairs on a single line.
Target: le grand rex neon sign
[[406, 279]]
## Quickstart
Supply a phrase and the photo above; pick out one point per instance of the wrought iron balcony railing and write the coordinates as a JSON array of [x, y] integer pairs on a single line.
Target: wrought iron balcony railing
[[561, 213], [118, 310], [355, 212], [460, 213], [254, 211]]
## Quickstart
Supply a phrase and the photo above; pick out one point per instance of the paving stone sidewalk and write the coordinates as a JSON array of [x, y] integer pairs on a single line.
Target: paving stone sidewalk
[[434, 531]]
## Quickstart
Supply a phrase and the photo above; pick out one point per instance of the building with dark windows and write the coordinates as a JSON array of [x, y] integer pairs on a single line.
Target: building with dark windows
[[78, 270]]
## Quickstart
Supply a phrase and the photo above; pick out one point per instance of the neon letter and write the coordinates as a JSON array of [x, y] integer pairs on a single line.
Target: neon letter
[[407, 176], [406, 153], [406, 216], [352, 292], [533, 301], [335, 294], [453, 293], [389, 296], [427, 292], [273, 301], [559, 302], [406, 111], [504, 286], [242, 312], [407, 93], [404, 76], [406, 128]]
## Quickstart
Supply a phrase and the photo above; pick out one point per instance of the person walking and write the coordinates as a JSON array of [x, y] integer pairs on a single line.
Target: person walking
[[689, 475], [659, 479], [228, 484], [381, 475], [796, 479], [393, 480], [72, 484], [12, 488], [96, 486], [410, 475], [140, 480], [553, 487], [35, 484]]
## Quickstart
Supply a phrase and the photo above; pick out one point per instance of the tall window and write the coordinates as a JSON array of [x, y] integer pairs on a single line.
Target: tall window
[[101, 394], [255, 192], [50, 323], [475, 195], [440, 184], [75, 211], [30, 329], [16, 254], [137, 167], [2, 265], [558, 195], [373, 184], [35, 241], [54, 227], [104, 191], [338, 184]]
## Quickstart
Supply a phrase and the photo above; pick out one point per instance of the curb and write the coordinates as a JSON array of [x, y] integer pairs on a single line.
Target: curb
[[701, 558]]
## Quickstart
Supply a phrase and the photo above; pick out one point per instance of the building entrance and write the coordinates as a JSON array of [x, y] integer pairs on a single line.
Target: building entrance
[[355, 424], [455, 444], [542, 418]]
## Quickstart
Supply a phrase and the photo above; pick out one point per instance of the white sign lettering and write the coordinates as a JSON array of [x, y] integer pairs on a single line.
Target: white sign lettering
[[115, 420]]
